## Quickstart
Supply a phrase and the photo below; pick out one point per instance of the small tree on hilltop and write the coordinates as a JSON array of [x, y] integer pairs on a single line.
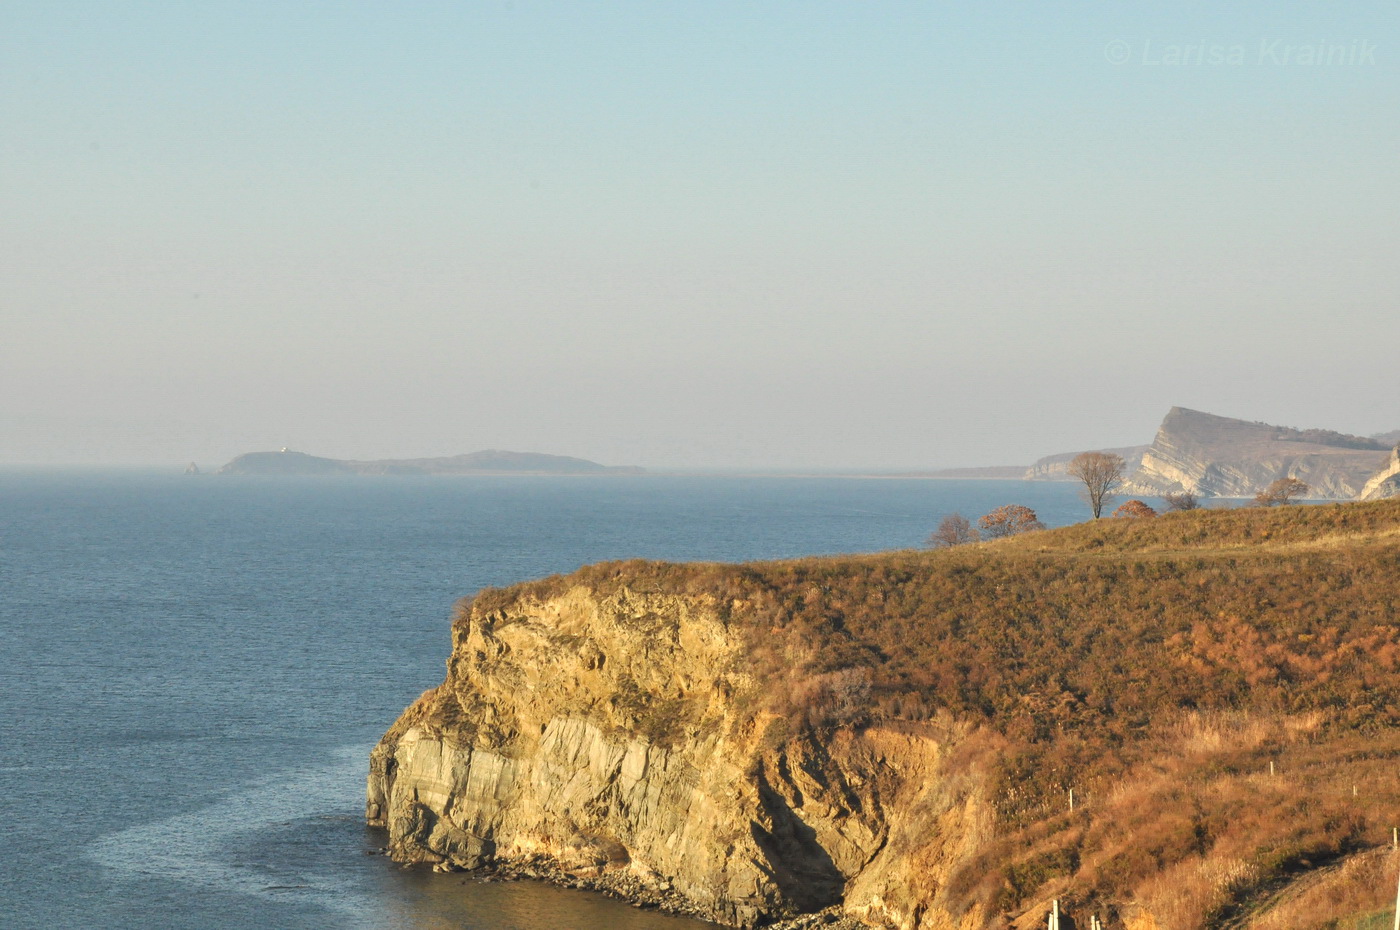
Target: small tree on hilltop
[[1183, 500], [1009, 520], [1102, 474], [1282, 491], [1134, 509], [955, 530]]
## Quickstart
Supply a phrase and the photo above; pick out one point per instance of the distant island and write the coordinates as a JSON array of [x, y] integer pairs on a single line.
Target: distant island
[[488, 462]]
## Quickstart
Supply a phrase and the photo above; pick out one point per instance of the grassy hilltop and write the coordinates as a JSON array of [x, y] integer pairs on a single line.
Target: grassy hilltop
[[1156, 667]]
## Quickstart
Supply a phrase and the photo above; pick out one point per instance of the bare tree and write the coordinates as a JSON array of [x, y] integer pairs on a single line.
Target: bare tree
[[955, 530], [1102, 474], [1282, 491], [1183, 500]]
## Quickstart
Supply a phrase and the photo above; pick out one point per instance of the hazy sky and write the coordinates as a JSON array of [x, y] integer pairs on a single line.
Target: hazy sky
[[691, 234]]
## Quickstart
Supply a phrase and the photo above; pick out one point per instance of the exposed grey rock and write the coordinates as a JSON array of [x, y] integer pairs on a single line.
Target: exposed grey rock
[[1386, 482], [1214, 456]]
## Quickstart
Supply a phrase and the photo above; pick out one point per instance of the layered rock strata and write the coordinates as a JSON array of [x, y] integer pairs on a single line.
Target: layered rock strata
[[621, 734], [1386, 482], [1214, 456]]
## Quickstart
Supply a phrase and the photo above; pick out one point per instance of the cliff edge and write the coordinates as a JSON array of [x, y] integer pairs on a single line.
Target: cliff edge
[[937, 740], [1386, 482], [626, 731], [1214, 456]]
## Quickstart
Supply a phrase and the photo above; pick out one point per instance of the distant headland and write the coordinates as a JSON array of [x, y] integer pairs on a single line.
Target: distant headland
[[1215, 456], [488, 462]]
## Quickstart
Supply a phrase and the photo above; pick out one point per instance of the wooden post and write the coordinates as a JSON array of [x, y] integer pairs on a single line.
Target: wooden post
[[1271, 768], [1071, 800], [1395, 837]]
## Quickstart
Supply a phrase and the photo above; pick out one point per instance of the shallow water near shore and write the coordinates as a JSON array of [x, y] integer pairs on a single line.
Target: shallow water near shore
[[195, 669]]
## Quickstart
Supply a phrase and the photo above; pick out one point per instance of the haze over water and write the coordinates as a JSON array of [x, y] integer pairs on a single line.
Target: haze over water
[[822, 234]]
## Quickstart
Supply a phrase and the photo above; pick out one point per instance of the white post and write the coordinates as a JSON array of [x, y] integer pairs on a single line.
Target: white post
[[1271, 768], [1397, 905], [1071, 800], [1056, 913], [1395, 837]]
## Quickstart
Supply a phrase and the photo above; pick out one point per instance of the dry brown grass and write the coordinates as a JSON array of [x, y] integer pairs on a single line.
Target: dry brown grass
[[1155, 666]]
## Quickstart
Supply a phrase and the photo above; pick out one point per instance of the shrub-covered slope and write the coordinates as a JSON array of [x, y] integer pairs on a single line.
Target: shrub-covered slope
[[1220, 690]]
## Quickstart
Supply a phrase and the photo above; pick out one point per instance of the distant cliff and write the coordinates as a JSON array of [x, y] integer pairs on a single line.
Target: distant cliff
[[1386, 482], [897, 736], [1056, 467], [1215, 456], [490, 462]]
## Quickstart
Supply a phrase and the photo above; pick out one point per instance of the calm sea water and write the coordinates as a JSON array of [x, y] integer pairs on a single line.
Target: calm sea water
[[195, 669]]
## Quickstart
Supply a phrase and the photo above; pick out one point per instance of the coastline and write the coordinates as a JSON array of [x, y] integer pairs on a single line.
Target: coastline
[[621, 886]]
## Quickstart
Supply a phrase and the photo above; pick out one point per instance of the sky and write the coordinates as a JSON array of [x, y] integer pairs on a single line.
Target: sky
[[816, 235]]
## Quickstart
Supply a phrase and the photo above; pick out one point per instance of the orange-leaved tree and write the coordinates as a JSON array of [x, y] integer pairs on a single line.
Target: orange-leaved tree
[[1009, 520], [1134, 509], [1282, 491]]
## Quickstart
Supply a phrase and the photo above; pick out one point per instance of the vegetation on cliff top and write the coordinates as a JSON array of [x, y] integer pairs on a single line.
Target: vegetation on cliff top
[[1158, 667]]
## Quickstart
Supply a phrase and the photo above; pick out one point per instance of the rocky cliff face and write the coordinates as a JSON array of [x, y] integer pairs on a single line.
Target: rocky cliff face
[[623, 734], [1215, 456], [1386, 482]]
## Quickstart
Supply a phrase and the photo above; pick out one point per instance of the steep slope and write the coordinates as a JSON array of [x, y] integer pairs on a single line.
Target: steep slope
[[899, 733], [1215, 456], [1386, 482]]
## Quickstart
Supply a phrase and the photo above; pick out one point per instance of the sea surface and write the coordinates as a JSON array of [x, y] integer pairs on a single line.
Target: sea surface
[[194, 670]]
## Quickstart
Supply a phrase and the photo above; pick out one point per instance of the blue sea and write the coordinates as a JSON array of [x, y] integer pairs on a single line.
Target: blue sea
[[194, 670]]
